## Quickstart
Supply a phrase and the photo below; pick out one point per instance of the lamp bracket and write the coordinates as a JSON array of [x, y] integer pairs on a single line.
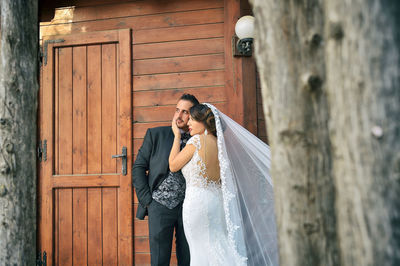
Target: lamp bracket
[[242, 47]]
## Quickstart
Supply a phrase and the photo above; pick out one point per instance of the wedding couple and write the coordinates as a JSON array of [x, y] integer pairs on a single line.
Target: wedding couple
[[212, 187]]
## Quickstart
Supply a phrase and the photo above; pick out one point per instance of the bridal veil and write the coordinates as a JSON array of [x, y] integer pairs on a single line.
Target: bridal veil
[[247, 192]]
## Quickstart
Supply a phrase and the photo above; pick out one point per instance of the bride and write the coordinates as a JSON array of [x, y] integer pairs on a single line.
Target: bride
[[228, 211]]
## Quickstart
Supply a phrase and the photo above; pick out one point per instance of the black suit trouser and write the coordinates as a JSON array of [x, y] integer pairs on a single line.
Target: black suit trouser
[[162, 223]]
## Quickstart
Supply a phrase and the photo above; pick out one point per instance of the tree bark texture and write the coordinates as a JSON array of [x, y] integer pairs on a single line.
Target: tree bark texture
[[18, 104], [329, 71]]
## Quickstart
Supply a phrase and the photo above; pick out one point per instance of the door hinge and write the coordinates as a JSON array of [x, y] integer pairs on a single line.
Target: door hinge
[[42, 151], [41, 261], [45, 47]]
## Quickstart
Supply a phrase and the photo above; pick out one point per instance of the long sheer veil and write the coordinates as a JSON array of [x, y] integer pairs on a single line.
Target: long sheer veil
[[247, 192]]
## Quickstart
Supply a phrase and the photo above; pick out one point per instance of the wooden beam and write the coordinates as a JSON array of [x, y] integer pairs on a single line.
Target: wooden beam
[[240, 72]]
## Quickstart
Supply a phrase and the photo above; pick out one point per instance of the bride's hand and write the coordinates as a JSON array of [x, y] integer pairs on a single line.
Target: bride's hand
[[175, 128]]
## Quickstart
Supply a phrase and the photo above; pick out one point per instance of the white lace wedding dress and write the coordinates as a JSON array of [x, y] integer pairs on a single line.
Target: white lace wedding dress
[[228, 212], [203, 215]]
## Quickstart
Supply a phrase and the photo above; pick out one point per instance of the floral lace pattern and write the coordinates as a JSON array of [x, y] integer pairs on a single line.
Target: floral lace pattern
[[207, 229], [197, 176], [234, 236]]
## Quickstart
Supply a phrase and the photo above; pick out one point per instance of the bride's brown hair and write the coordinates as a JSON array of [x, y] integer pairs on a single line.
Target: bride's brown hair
[[202, 113]]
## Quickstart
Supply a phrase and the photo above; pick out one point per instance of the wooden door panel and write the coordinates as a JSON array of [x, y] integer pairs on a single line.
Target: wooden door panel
[[79, 107], [110, 241], [86, 224], [86, 201], [94, 236], [79, 226], [64, 88], [64, 226], [109, 108], [94, 108]]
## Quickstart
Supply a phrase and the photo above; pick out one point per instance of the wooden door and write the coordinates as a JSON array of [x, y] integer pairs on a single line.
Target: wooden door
[[85, 199]]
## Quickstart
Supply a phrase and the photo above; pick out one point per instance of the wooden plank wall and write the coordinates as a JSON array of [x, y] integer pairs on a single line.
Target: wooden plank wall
[[178, 47], [168, 61]]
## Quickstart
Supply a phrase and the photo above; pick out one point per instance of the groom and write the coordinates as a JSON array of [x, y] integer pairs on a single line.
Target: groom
[[161, 192]]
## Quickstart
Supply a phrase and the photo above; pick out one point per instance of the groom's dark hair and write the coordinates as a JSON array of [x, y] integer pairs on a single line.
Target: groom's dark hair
[[189, 97]]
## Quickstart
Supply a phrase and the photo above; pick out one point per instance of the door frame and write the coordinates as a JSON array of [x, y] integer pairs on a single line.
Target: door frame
[[46, 131]]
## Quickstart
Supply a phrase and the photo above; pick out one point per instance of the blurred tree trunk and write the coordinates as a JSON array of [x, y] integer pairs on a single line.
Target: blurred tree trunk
[[18, 104], [329, 72]]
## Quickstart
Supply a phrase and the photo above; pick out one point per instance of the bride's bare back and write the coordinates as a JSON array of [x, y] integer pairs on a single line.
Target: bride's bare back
[[208, 153]]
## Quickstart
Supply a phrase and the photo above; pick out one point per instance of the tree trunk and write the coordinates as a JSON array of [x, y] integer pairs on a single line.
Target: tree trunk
[[362, 54], [329, 72], [18, 104]]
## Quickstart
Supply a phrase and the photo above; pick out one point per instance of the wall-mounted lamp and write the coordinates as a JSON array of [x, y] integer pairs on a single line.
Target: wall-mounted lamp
[[244, 29]]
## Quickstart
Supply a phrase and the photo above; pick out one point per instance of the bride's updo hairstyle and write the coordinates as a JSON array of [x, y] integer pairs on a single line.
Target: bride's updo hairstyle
[[202, 113]]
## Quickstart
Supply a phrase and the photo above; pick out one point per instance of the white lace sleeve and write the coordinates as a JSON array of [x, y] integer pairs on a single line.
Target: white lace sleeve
[[195, 140]]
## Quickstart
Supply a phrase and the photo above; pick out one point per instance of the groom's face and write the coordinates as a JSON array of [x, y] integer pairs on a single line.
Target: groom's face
[[182, 114]]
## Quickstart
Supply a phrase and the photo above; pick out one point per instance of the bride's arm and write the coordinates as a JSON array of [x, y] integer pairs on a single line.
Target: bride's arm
[[178, 159]]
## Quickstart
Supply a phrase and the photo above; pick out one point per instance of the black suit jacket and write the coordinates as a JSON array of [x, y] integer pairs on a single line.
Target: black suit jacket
[[152, 157]]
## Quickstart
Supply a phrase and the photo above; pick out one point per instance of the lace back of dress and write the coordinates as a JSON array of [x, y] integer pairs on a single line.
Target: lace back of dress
[[208, 153]]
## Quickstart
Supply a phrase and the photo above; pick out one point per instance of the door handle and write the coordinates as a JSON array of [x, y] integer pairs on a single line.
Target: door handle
[[124, 157]]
